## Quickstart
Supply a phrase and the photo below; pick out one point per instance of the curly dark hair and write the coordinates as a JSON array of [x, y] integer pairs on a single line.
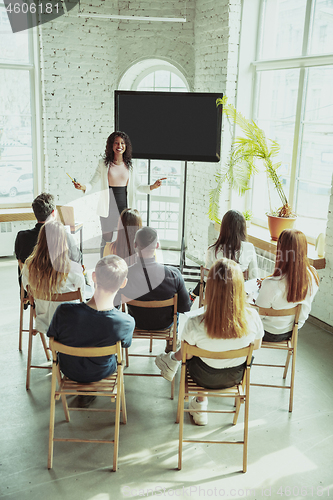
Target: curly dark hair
[[109, 155], [232, 233]]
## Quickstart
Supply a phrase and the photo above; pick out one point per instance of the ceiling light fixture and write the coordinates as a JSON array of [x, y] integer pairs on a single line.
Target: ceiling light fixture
[[135, 18]]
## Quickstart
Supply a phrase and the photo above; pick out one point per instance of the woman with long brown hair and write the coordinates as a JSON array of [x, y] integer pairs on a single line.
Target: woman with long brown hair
[[227, 323], [231, 244], [117, 181], [293, 282], [48, 271], [129, 222]]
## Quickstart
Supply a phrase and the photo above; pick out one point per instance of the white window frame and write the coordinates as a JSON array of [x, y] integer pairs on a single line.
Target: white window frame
[[250, 65], [33, 68]]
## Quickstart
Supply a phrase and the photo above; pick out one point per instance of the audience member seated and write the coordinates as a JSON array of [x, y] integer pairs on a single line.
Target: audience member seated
[[227, 323], [129, 222], [48, 270], [44, 208], [293, 282], [232, 244], [149, 280], [94, 324]]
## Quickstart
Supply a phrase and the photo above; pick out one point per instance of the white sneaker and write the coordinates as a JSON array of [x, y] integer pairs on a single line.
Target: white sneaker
[[199, 418], [167, 365]]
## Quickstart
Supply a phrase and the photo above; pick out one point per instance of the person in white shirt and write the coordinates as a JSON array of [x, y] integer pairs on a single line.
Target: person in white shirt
[[117, 183], [293, 282], [232, 244], [48, 271], [227, 323]]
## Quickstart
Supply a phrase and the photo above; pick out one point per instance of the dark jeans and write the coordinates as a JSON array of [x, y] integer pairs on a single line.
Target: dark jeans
[[214, 378], [272, 337]]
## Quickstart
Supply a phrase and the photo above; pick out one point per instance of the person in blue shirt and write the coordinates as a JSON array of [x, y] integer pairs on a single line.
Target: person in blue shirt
[[96, 323]]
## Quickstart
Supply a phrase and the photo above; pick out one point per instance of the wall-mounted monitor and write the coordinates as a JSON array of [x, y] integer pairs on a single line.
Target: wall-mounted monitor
[[171, 125]]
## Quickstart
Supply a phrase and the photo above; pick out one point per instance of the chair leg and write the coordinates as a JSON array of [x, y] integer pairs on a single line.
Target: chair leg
[[42, 337], [287, 365], [173, 388], [116, 426], [246, 421], [52, 415], [181, 429], [63, 397], [123, 400], [238, 405], [151, 344], [27, 385], [292, 381], [21, 319], [126, 355]]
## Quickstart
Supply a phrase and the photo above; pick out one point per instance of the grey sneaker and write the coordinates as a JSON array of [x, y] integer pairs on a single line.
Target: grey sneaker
[[167, 365]]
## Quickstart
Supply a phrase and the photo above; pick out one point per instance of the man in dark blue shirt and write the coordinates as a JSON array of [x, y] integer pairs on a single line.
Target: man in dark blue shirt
[[149, 280], [94, 324]]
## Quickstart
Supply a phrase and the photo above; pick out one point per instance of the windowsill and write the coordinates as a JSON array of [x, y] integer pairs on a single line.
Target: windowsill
[[260, 238], [16, 214]]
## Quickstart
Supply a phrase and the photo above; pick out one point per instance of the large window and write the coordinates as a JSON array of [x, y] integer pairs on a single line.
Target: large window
[[294, 105], [17, 115], [163, 210]]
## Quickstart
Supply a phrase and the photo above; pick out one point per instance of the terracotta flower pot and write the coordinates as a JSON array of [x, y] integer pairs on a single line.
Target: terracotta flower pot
[[278, 224]]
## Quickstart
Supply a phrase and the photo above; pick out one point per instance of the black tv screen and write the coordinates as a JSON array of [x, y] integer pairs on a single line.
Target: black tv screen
[[171, 125]]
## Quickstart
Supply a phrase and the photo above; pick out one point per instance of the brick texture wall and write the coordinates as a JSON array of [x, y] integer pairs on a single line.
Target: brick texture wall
[[82, 61], [216, 29]]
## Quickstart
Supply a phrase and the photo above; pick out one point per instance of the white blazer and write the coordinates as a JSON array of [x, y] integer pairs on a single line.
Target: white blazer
[[101, 174]]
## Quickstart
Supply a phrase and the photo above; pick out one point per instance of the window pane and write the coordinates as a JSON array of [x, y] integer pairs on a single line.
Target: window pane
[[282, 28], [16, 180], [162, 79], [316, 154], [14, 46], [176, 81], [276, 116], [322, 32]]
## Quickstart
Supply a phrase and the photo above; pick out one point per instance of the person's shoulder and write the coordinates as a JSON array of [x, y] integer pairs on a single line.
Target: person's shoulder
[[173, 270], [125, 319]]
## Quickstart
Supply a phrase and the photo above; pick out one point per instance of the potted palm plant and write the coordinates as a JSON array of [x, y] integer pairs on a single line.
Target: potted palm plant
[[245, 151]]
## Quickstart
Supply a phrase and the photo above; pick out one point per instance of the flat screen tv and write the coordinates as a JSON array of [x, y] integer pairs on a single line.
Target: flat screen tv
[[171, 125]]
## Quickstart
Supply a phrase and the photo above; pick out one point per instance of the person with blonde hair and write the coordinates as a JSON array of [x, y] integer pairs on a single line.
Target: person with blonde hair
[[48, 271], [293, 282], [232, 244], [129, 223], [227, 323]]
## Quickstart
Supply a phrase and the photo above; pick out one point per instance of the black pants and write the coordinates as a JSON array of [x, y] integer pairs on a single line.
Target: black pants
[[109, 224], [272, 337], [214, 378]]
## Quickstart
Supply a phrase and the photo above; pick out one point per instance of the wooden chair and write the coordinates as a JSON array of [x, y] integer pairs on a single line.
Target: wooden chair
[[60, 297], [287, 345], [112, 387], [239, 392], [203, 274], [167, 334]]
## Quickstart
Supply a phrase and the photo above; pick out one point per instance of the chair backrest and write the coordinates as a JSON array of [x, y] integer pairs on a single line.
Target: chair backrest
[[238, 353], [153, 304], [85, 352], [294, 311], [203, 274], [67, 296]]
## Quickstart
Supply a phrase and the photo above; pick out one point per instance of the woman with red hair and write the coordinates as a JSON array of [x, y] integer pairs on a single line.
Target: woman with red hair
[[293, 282]]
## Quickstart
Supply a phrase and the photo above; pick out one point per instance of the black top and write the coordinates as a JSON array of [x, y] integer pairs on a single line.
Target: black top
[[164, 283]]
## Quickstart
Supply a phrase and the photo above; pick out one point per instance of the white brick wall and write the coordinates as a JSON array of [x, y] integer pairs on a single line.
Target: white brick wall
[[82, 61], [217, 25], [322, 307]]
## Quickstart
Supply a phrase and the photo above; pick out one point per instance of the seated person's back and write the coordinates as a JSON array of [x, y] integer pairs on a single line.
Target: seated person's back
[[149, 280], [49, 271], [94, 324]]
